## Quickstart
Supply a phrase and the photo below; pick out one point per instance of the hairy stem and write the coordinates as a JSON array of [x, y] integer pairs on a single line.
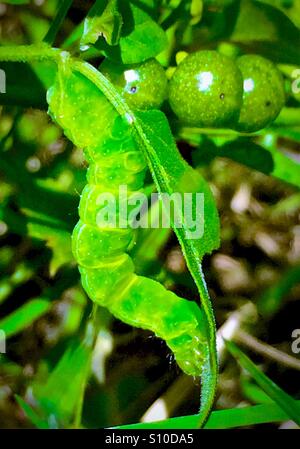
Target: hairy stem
[[29, 53]]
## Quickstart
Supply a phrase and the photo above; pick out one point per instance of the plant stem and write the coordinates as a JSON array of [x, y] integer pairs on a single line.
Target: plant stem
[[209, 377], [288, 117], [57, 21], [89, 342], [266, 350], [29, 53]]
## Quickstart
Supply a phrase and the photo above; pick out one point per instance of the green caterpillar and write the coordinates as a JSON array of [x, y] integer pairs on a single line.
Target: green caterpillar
[[207, 89], [107, 271]]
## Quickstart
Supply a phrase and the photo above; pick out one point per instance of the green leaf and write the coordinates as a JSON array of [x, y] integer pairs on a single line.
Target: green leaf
[[148, 246], [58, 240], [285, 168], [45, 211], [172, 174], [273, 298], [45, 204], [289, 118], [267, 158], [141, 38], [290, 8], [31, 414], [286, 402], [255, 23], [103, 19], [252, 392], [24, 316], [151, 7], [26, 84], [63, 8], [16, 2], [269, 29], [59, 396], [22, 274], [222, 419], [74, 36]]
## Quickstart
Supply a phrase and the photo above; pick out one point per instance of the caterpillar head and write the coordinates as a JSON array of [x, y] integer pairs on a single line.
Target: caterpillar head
[[143, 86]]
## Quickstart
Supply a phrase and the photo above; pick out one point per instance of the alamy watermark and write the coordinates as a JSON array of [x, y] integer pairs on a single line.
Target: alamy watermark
[[296, 81], [125, 209], [2, 82], [2, 342], [296, 341]]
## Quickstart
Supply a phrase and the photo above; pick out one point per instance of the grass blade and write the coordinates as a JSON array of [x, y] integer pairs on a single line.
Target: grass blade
[[285, 401], [222, 419], [24, 316], [57, 21]]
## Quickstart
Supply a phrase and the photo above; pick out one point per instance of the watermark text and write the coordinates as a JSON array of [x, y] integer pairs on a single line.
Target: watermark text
[[296, 341], [296, 81], [125, 209], [2, 342], [2, 82]]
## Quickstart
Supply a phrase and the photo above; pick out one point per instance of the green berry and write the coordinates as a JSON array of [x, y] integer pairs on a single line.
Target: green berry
[[206, 90], [263, 96], [143, 86]]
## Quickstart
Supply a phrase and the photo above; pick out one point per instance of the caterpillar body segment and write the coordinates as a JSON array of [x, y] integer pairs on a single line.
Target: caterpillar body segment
[[107, 271]]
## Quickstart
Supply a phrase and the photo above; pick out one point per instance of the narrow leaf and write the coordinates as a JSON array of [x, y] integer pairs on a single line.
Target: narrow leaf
[[285, 401], [222, 419], [62, 11], [24, 316], [16, 2], [61, 392], [31, 414], [172, 174]]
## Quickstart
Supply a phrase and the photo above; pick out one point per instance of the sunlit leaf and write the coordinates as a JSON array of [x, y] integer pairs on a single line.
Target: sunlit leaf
[[141, 38], [103, 19]]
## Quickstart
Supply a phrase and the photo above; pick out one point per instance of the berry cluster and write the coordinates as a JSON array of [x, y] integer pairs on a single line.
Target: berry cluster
[[207, 89]]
